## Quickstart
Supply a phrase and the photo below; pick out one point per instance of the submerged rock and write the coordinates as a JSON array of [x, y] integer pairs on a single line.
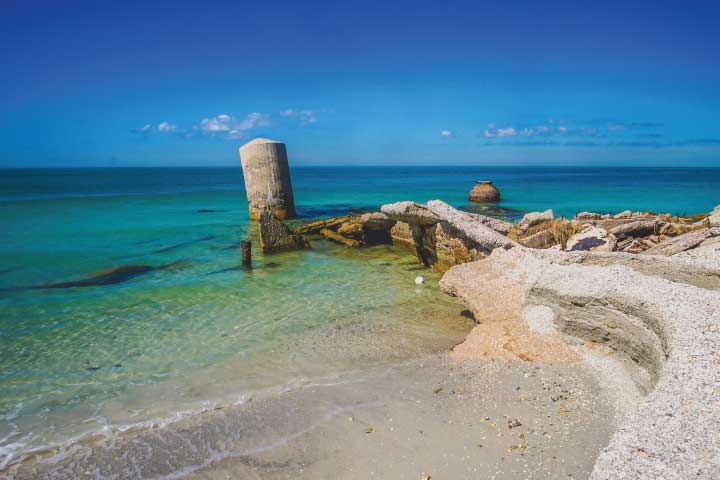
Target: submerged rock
[[104, 277], [368, 229], [403, 234], [314, 228], [275, 236], [109, 276], [355, 231], [336, 237]]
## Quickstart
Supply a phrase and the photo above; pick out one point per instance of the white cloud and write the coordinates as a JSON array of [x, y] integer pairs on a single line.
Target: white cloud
[[304, 117], [492, 132], [231, 128], [446, 133], [563, 130], [254, 120], [219, 123], [147, 128], [166, 127]]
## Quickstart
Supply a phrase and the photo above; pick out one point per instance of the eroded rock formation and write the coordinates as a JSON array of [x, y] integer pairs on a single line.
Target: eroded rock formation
[[662, 313]]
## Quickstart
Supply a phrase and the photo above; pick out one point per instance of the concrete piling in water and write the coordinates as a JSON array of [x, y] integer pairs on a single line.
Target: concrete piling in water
[[267, 178], [246, 254]]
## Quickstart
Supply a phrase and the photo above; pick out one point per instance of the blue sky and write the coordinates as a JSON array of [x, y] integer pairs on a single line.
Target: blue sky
[[100, 83]]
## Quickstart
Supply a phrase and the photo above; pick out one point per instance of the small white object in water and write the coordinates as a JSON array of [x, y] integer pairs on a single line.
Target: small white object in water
[[419, 280]]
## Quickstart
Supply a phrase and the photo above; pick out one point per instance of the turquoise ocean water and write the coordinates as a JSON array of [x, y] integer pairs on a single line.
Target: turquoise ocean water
[[183, 329]]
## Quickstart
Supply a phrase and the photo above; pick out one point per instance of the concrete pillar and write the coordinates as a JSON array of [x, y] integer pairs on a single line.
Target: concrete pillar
[[267, 178]]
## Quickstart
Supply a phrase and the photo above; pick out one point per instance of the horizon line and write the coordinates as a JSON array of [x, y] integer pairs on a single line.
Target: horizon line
[[127, 167]]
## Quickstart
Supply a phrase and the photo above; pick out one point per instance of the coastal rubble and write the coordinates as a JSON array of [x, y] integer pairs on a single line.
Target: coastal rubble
[[442, 236], [354, 231], [662, 313]]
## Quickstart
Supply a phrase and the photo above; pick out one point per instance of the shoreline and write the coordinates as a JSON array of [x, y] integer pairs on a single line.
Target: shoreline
[[476, 234], [283, 436]]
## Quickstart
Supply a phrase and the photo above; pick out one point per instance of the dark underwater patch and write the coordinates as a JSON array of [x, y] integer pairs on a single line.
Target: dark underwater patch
[[109, 276], [333, 210], [184, 244], [224, 270]]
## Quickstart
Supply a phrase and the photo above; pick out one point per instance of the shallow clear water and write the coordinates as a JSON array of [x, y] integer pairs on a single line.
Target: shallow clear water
[[197, 331]]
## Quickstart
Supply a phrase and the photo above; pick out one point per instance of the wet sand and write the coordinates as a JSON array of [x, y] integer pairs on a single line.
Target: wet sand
[[432, 417]]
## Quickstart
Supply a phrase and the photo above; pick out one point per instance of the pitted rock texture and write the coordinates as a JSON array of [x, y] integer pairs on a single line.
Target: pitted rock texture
[[410, 212], [275, 236], [661, 312], [714, 217]]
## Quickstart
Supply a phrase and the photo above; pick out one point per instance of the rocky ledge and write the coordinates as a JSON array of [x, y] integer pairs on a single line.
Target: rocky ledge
[[663, 313]]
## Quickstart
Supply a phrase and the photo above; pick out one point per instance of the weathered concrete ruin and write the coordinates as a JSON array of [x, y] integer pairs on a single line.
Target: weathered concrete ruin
[[484, 192], [267, 178]]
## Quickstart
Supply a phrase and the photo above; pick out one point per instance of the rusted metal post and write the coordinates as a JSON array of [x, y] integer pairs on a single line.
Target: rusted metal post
[[246, 254]]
